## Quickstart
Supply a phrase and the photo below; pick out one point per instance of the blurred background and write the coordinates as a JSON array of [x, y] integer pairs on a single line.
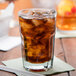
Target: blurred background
[[66, 11]]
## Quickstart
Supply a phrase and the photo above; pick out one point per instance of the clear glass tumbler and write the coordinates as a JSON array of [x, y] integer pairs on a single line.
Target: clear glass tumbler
[[37, 28]]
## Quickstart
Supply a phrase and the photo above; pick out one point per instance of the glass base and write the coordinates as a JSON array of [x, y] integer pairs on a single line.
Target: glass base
[[67, 32], [38, 67]]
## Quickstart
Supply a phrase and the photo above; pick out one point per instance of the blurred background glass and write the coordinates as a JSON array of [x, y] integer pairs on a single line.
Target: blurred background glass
[[66, 18]]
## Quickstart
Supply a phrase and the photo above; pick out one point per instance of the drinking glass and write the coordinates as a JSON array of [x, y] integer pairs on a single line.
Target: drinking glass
[[37, 28]]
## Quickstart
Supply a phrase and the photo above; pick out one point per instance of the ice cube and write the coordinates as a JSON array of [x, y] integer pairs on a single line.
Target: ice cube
[[40, 29], [26, 26], [44, 40], [51, 21], [29, 43], [29, 54], [37, 22], [36, 50]]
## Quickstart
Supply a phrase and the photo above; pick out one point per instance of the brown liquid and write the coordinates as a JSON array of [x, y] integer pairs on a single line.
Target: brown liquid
[[37, 36]]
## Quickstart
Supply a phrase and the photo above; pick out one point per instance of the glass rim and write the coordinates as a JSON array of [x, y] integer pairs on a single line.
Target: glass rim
[[52, 11]]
